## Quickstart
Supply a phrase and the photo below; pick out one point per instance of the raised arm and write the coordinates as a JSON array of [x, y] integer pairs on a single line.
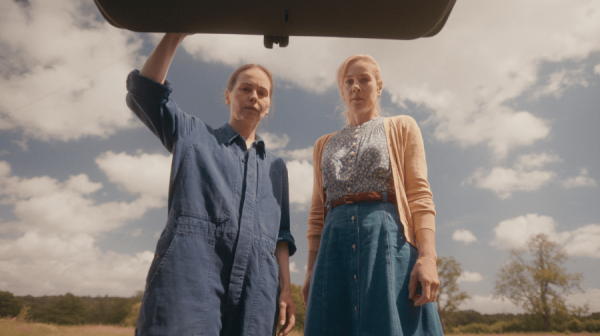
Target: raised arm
[[149, 93], [157, 64]]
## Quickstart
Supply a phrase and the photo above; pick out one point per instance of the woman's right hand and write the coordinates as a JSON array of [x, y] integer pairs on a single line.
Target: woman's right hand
[[306, 287]]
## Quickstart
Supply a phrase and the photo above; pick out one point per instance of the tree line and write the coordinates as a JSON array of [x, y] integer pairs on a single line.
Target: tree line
[[69, 309], [534, 278]]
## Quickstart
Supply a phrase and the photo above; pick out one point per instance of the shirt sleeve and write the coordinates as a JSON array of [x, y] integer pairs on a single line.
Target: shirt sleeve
[[150, 101], [284, 227], [316, 217], [418, 191]]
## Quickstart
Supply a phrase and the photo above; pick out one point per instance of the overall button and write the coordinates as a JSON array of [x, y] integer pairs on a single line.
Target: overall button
[[353, 247], [352, 220], [354, 277]]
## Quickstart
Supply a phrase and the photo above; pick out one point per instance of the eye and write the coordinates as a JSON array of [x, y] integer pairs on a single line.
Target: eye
[[349, 82]]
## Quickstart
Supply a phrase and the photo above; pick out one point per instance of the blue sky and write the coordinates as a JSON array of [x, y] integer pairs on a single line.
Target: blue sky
[[506, 96]]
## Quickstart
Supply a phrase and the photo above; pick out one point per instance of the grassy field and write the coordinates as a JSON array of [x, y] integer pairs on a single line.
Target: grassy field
[[15, 328]]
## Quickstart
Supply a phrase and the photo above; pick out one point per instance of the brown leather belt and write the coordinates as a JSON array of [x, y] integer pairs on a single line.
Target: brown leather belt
[[371, 196]]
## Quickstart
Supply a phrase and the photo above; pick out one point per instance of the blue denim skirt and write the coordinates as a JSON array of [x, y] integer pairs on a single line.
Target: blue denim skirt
[[359, 284]]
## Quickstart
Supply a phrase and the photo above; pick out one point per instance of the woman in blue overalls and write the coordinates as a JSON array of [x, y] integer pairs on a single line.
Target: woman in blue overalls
[[371, 224], [221, 263]]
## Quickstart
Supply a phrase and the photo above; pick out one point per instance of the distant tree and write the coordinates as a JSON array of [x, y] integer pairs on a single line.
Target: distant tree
[[449, 296], [536, 279], [9, 304]]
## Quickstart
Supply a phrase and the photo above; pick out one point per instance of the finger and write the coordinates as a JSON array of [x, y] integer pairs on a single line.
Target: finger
[[282, 311], [435, 293], [426, 291], [412, 286], [304, 296], [290, 325], [420, 301]]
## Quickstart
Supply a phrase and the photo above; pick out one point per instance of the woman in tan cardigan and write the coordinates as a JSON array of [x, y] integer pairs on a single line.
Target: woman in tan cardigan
[[371, 263]]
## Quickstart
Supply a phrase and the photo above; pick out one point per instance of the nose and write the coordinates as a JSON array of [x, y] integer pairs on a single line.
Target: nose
[[355, 87], [254, 96]]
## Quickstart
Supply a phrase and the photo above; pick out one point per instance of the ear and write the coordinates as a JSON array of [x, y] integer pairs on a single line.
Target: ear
[[227, 101], [379, 88]]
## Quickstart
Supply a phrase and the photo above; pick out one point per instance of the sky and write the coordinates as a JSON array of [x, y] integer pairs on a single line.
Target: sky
[[506, 96]]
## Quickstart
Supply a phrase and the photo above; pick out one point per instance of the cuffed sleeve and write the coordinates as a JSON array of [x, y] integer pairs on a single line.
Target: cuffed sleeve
[[284, 226], [150, 102]]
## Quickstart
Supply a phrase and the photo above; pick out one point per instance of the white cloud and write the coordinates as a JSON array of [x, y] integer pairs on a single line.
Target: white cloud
[[467, 276], [525, 176], [145, 174], [48, 205], [583, 180], [597, 69], [590, 297], [56, 224], [298, 154], [63, 72], [274, 141], [464, 236], [514, 233], [53, 264], [561, 80], [505, 181], [490, 305], [584, 241], [293, 268], [301, 181], [535, 161], [492, 53]]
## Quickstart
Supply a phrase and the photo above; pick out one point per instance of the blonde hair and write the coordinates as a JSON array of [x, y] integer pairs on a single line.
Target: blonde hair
[[344, 68]]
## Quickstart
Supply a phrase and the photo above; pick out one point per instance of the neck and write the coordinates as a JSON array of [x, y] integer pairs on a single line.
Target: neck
[[248, 131], [357, 119]]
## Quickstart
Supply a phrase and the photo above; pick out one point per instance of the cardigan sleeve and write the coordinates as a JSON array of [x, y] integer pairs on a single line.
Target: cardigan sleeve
[[418, 191], [316, 217]]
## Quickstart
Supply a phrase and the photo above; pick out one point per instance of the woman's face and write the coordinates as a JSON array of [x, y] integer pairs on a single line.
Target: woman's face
[[249, 100], [360, 89]]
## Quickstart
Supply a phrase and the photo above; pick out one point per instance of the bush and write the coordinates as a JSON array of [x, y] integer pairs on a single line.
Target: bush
[[592, 326], [475, 328], [131, 318], [10, 306]]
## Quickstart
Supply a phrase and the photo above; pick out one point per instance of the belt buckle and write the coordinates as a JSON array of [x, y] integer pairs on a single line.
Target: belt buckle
[[346, 200]]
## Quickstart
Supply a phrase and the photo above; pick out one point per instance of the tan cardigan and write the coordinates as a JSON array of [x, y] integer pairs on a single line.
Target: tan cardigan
[[409, 170]]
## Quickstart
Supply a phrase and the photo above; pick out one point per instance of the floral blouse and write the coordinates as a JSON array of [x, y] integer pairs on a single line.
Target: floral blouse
[[356, 159]]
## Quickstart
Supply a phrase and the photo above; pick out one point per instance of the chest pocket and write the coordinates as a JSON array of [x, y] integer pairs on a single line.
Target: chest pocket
[[207, 183]]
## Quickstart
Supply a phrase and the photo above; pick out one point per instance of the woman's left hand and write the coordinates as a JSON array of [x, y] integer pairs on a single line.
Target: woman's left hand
[[287, 312], [425, 272]]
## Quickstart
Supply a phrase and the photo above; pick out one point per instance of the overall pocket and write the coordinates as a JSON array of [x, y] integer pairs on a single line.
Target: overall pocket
[[178, 295]]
